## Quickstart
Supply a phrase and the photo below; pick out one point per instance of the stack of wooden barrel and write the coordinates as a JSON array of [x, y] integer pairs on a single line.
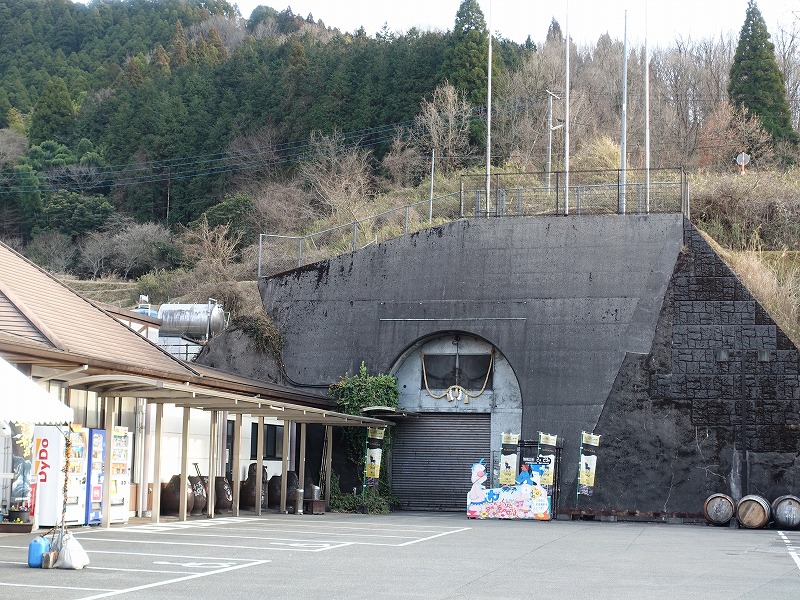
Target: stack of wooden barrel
[[753, 511]]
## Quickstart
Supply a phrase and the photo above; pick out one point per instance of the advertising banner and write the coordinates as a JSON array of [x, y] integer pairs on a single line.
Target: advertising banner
[[588, 463], [374, 455], [509, 459], [547, 457]]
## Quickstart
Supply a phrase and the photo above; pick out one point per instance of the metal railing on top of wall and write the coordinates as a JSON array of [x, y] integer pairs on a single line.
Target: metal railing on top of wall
[[510, 195]]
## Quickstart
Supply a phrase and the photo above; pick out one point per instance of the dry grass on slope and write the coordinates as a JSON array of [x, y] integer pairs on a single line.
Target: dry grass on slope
[[773, 278]]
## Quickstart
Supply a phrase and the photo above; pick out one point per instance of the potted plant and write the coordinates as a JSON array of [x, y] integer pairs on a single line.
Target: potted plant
[[19, 512]]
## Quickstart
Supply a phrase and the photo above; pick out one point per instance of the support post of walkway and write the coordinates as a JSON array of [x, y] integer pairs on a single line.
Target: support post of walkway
[[184, 500], [111, 405], [259, 465], [287, 426], [213, 449], [301, 466], [156, 514], [328, 459], [235, 470]]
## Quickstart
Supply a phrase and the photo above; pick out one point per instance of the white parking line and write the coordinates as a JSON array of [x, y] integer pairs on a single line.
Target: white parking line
[[149, 542], [435, 536], [790, 548], [54, 587], [171, 581]]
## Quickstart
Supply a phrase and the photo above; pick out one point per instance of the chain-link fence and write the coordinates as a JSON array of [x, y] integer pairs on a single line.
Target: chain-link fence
[[510, 195], [589, 193]]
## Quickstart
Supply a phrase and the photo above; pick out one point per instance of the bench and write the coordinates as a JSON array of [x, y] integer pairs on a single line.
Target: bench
[[314, 507]]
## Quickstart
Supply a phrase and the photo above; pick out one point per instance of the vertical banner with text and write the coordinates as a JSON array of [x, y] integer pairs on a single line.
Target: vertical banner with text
[[509, 458], [588, 463], [374, 455], [547, 454]]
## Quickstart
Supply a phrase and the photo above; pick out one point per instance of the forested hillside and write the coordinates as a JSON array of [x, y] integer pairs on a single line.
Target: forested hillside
[[134, 132]]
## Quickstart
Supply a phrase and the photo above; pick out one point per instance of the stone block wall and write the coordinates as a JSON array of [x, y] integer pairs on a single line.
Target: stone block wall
[[672, 422]]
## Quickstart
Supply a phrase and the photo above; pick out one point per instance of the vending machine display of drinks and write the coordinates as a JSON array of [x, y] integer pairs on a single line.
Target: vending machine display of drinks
[[49, 458], [94, 478], [120, 475]]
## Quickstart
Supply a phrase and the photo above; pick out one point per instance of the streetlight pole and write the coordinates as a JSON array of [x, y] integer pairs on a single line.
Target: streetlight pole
[[489, 119]]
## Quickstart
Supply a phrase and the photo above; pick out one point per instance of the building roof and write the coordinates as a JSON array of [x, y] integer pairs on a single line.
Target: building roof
[[46, 324], [39, 308]]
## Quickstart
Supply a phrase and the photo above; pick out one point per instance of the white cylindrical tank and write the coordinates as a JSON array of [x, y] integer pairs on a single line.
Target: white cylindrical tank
[[198, 321]]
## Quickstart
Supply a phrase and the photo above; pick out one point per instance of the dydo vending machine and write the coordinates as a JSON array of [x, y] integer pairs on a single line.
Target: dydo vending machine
[[52, 446]]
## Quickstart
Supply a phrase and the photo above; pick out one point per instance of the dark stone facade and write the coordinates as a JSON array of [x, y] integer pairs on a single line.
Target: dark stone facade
[[611, 324], [672, 424]]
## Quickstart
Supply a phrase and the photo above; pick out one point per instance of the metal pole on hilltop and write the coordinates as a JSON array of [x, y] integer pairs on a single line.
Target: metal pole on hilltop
[[566, 118], [646, 116], [489, 119], [623, 145]]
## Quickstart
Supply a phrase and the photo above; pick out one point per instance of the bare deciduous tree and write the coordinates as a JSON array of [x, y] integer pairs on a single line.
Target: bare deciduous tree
[[13, 146], [338, 175], [403, 162], [443, 125], [53, 250], [96, 248], [138, 246], [727, 132], [253, 149], [212, 249], [280, 207]]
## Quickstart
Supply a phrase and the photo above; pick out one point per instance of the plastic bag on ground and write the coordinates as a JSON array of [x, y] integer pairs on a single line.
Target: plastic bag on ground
[[71, 555]]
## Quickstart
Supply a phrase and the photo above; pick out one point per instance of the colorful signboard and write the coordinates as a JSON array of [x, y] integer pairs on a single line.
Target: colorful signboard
[[525, 499]]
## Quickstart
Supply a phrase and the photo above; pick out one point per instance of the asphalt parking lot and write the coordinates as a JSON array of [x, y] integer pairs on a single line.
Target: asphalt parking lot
[[412, 555]]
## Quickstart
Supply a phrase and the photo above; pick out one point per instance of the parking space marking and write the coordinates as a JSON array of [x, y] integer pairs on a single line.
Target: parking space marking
[[790, 548], [175, 580], [307, 532], [330, 546], [435, 536], [164, 555], [54, 587], [138, 570], [299, 536]]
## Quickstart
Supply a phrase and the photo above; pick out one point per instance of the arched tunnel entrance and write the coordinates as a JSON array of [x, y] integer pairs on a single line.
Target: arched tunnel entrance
[[463, 394]]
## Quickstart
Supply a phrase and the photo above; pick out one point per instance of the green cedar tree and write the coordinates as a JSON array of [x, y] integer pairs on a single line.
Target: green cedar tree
[[53, 115], [756, 82], [467, 54]]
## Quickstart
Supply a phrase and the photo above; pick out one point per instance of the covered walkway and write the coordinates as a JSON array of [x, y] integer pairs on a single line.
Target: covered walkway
[[217, 401]]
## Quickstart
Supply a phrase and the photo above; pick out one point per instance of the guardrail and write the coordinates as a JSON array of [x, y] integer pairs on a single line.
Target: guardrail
[[510, 195]]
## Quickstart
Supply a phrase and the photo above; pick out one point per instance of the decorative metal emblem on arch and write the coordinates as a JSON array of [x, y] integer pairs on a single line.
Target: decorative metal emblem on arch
[[458, 392]]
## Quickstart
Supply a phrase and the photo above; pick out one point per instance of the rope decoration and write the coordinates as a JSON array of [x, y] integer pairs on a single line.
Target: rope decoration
[[457, 392]]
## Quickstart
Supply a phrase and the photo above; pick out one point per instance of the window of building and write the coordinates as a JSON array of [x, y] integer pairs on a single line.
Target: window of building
[[467, 370], [273, 442]]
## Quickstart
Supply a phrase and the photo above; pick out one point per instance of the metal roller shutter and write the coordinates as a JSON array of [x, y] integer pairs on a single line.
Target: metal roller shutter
[[432, 457]]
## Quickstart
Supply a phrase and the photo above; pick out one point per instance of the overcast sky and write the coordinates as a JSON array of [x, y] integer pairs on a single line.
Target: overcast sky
[[516, 19]]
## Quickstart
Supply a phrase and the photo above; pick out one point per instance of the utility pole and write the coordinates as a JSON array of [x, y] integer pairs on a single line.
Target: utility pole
[[566, 117], [489, 120], [550, 130], [623, 144]]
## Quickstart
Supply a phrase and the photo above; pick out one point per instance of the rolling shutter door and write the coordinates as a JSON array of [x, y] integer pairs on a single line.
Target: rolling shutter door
[[432, 457]]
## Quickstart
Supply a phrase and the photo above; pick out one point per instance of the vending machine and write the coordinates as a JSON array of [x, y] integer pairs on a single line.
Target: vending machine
[[95, 476], [49, 461], [120, 478]]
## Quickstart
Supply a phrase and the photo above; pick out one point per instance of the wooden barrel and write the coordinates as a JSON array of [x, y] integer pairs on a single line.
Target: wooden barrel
[[786, 511], [718, 509], [753, 512]]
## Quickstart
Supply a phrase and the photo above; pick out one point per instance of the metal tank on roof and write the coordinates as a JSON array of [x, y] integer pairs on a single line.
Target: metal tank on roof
[[197, 321]]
